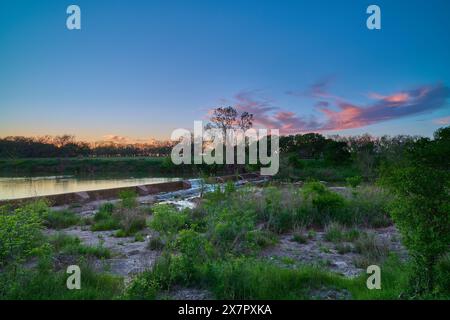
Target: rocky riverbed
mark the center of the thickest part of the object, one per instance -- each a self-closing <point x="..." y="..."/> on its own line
<point x="131" y="255"/>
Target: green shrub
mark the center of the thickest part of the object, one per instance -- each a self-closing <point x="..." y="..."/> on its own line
<point x="369" y="207"/>
<point x="322" y="206"/>
<point x="61" y="219"/>
<point x="168" y="271"/>
<point x="20" y="231"/>
<point x="138" y="237"/>
<point x="228" y="229"/>
<point x="128" y="199"/>
<point x="421" y="207"/>
<point x="300" y="238"/>
<point x="277" y="212"/>
<point x="257" y="239"/>
<point x="167" y="220"/>
<point x="354" y="182"/>
<point x="247" y="278"/>
<point x="130" y="220"/>
<point x="156" y="244"/>
<point x="334" y="232"/>
<point x="104" y="219"/>
<point x="70" y="245"/>
<point x="105" y="224"/>
<point x="46" y="284"/>
<point x="343" y="248"/>
<point x="195" y="249"/>
<point x="229" y="187"/>
<point x="443" y="276"/>
<point x="371" y="250"/>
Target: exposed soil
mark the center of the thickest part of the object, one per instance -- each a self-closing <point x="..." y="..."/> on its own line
<point x="319" y="252"/>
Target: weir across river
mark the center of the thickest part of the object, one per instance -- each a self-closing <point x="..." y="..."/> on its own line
<point x="164" y="190"/>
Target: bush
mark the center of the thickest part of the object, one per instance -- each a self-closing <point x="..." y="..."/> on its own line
<point x="334" y="232"/>
<point x="20" y="232"/>
<point x="130" y="220"/>
<point x="278" y="210"/>
<point x="372" y="250"/>
<point x="46" y="284"/>
<point x="61" y="219"/>
<point x="228" y="229"/>
<point x="247" y="278"/>
<point x="128" y="199"/>
<point x="104" y="219"/>
<point x="369" y="207"/>
<point x="70" y="245"/>
<point x="300" y="238"/>
<point x="195" y="250"/>
<point x="322" y="206"/>
<point x="443" y="276"/>
<point x="354" y="182"/>
<point x="420" y="209"/>
<point x="156" y="244"/>
<point x="167" y="220"/>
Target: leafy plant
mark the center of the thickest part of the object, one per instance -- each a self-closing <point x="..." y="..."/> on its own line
<point x="61" y="219"/>
<point x="421" y="207"/>
<point x="128" y="199"/>
<point x="20" y="231"/>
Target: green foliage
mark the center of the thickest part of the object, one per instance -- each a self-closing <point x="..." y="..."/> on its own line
<point x="354" y="182"/>
<point x="278" y="214"/>
<point x="336" y="152"/>
<point x="128" y="220"/>
<point x="421" y="207"/>
<point x="247" y="278"/>
<point x="335" y="232"/>
<point x="296" y="162"/>
<point x="167" y="220"/>
<point x="104" y="219"/>
<point x="46" y="284"/>
<point x="372" y="250"/>
<point x="300" y="238"/>
<point x="155" y="244"/>
<point x="322" y="206"/>
<point x="369" y="207"/>
<point x="228" y="228"/>
<point x="128" y="199"/>
<point x="20" y="232"/>
<point x="229" y="187"/>
<point x="443" y="276"/>
<point x="61" y="219"/>
<point x="70" y="245"/>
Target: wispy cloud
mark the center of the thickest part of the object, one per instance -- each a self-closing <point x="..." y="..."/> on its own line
<point x="442" y="121"/>
<point x="339" y="114"/>
<point x="420" y="100"/>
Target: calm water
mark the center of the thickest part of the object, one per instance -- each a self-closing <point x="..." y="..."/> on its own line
<point x="14" y="188"/>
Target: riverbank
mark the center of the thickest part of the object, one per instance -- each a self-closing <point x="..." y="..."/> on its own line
<point x="114" y="166"/>
<point x="240" y="241"/>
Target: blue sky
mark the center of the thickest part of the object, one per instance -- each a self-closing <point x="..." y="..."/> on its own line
<point x="139" y="69"/>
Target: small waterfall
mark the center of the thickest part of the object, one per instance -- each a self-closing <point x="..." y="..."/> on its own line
<point x="184" y="198"/>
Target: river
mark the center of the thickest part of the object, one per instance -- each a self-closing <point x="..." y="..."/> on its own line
<point x="16" y="188"/>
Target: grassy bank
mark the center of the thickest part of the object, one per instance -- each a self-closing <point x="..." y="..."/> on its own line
<point x="216" y="247"/>
<point x="81" y="166"/>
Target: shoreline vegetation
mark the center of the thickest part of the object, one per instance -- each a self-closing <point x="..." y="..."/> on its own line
<point x="292" y="238"/>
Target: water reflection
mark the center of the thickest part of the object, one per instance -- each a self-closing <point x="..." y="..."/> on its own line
<point x="15" y="188"/>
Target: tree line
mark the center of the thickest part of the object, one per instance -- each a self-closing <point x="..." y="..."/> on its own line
<point x="66" y="146"/>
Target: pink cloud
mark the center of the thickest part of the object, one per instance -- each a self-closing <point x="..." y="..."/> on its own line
<point x="442" y="121"/>
<point x="344" y="115"/>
